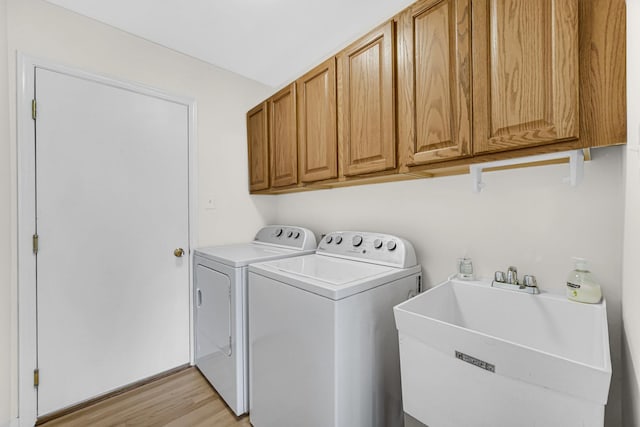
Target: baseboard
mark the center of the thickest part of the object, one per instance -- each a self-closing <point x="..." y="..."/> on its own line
<point x="98" y="399"/>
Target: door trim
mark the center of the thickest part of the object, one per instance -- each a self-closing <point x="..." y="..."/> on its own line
<point x="26" y="197"/>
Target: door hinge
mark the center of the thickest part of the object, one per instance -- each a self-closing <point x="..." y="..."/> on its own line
<point x="34" y="109"/>
<point x="36" y="377"/>
<point x="36" y="239"/>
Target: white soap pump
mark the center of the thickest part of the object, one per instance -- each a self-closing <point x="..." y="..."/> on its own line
<point x="581" y="285"/>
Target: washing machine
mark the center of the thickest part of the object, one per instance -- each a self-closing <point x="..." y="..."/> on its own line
<point x="323" y="347"/>
<point x="220" y="301"/>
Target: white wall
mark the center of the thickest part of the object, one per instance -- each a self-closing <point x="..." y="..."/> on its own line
<point x="630" y="278"/>
<point x="40" y="29"/>
<point x="5" y="226"/>
<point x="524" y="217"/>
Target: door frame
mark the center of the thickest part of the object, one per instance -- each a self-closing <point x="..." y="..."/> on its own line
<point x="26" y="203"/>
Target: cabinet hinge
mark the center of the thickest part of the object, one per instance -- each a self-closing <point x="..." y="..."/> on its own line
<point x="34" y="109"/>
<point x="36" y="239"/>
<point x="36" y="377"/>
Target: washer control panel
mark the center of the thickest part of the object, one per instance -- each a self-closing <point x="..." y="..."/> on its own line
<point x="376" y="248"/>
<point x="286" y="235"/>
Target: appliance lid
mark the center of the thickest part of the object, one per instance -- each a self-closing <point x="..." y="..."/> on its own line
<point x="242" y="254"/>
<point x="330" y="277"/>
<point x="333" y="271"/>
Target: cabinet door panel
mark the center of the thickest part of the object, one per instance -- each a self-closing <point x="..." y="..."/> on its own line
<point x="366" y="96"/>
<point x="525" y="77"/>
<point x="434" y="81"/>
<point x="283" y="137"/>
<point x="317" y="123"/>
<point x="258" y="147"/>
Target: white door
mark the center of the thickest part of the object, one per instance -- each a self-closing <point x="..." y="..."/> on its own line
<point x="112" y="205"/>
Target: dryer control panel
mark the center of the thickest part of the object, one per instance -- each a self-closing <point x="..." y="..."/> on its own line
<point x="285" y="235"/>
<point x="377" y="248"/>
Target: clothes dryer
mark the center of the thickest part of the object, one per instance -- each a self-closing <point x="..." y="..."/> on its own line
<point x="220" y="301"/>
<point x="323" y="346"/>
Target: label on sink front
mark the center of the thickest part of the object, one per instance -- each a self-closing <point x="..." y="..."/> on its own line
<point x="475" y="362"/>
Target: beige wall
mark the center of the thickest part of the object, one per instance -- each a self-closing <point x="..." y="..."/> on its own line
<point x="5" y="226"/>
<point x="630" y="276"/>
<point x="40" y="29"/>
<point x="524" y="217"/>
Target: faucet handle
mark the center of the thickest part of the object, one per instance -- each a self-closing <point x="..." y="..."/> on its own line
<point x="512" y="275"/>
<point x="499" y="277"/>
<point x="529" y="280"/>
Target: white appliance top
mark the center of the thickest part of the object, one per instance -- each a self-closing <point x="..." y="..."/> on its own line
<point x="340" y="269"/>
<point x="271" y="242"/>
<point x="332" y="271"/>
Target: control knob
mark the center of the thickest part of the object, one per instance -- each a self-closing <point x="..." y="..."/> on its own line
<point x="279" y="232"/>
<point x="338" y="240"/>
<point x="391" y="245"/>
<point x="329" y="239"/>
<point x="296" y="234"/>
<point x="289" y="233"/>
<point x="377" y="243"/>
<point x="357" y="240"/>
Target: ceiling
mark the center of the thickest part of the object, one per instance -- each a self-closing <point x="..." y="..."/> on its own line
<point x="271" y="41"/>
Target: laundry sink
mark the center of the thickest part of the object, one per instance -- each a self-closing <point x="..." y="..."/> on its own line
<point x="475" y="355"/>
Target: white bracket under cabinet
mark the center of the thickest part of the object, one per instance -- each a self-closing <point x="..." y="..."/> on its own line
<point x="576" y="166"/>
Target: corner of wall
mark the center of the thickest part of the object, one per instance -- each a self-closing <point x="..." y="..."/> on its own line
<point x="631" y="250"/>
<point x="630" y="392"/>
<point x="6" y="357"/>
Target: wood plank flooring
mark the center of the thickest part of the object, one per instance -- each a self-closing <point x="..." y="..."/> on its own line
<point x="178" y="400"/>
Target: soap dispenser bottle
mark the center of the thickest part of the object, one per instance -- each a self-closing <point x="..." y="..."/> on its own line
<point x="581" y="285"/>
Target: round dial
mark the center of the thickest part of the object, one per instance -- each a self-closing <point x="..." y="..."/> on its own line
<point x="377" y="243"/>
<point x="296" y="234"/>
<point x="338" y="240"/>
<point x="357" y="240"/>
<point x="391" y="245"/>
<point x="279" y="232"/>
<point x="329" y="239"/>
<point x="289" y="233"/>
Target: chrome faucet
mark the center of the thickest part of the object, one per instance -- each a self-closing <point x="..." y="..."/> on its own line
<point x="510" y="281"/>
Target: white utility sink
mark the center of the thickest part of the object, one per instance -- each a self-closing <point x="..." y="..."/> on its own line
<point x="473" y="355"/>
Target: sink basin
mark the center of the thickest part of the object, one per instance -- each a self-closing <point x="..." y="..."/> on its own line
<point x="473" y="355"/>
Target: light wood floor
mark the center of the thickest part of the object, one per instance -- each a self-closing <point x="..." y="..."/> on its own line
<point x="183" y="399"/>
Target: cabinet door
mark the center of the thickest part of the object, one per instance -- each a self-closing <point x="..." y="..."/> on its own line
<point x="283" y="137"/>
<point x="317" y="123"/>
<point x="258" y="147"/>
<point x="366" y="104"/>
<point x="525" y="73"/>
<point x="434" y="81"/>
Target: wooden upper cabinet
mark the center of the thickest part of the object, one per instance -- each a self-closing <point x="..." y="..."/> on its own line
<point x="525" y="73"/>
<point x="434" y="81"/>
<point x="366" y="104"/>
<point x="317" y="123"/>
<point x="283" y="137"/>
<point x="258" y="147"/>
